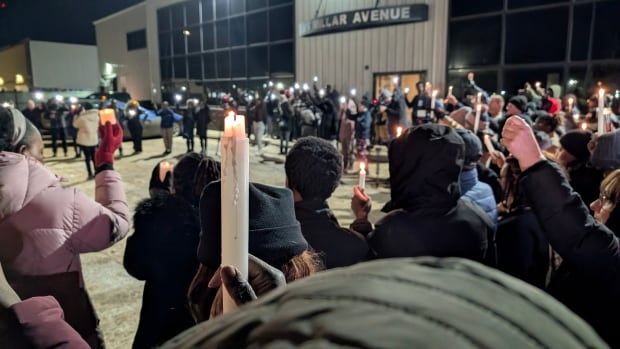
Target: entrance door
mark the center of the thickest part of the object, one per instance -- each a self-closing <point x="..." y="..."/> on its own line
<point x="406" y="81"/>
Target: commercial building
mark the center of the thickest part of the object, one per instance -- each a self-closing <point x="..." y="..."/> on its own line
<point x="206" y="46"/>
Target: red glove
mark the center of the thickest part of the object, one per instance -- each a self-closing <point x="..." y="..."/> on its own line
<point x="110" y="139"/>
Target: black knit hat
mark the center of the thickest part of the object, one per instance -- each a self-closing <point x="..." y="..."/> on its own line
<point x="520" y="102"/>
<point x="473" y="146"/>
<point x="576" y="143"/>
<point x="275" y="234"/>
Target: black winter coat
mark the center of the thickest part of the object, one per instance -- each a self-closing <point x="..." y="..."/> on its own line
<point x="339" y="247"/>
<point x="329" y="122"/>
<point x="586" y="181"/>
<point x="429" y="218"/>
<point x="189" y="123"/>
<point x="588" y="280"/>
<point x="162" y="252"/>
<point x="202" y="121"/>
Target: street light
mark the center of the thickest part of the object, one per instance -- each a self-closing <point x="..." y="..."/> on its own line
<point x="19" y="79"/>
<point x="38" y="96"/>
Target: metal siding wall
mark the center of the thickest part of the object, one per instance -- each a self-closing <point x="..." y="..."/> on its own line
<point x="339" y="59"/>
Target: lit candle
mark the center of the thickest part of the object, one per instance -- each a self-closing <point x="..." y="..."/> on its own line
<point x="489" y="144"/>
<point x="479" y="98"/>
<point x="449" y="90"/>
<point x="235" y="150"/>
<point x="584" y="126"/>
<point x="570" y="104"/>
<point x="477" y="120"/>
<point x="399" y="131"/>
<point x="600" y="114"/>
<point x="362" y="183"/>
<point x="433" y="98"/>
<point x="407" y="90"/>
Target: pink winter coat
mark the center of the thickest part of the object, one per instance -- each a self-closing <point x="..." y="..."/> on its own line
<point x="44" y="227"/>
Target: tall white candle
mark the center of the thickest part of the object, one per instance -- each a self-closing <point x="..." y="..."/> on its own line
<point x="600" y="112"/>
<point x="489" y="144"/>
<point x="362" y="182"/>
<point x="235" y="150"/>
<point x="450" y="91"/>
<point x="477" y="120"/>
<point x="570" y="105"/>
<point x="399" y="131"/>
<point x="479" y="98"/>
<point x="433" y="98"/>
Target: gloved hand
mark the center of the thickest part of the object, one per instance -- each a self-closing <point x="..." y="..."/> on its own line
<point x="110" y="139"/>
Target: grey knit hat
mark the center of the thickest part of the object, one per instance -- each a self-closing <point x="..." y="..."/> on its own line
<point x="606" y="155"/>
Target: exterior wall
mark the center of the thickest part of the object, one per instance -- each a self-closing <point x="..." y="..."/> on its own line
<point x="14" y="60"/>
<point x="133" y="71"/>
<point x="340" y="58"/>
<point x="64" y="66"/>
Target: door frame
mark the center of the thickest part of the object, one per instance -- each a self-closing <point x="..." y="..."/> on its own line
<point x="422" y="73"/>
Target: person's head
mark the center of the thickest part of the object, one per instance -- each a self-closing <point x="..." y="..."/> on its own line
<point x="605" y="205"/>
<point x="565" y="103"/>
<point x="545" y="122"/>
<point x="18" y="135"/>
<point x="192" y="174"/>
<point x="313" y="169"/>
<point x="274" y="236"/>
<point x="606" y="153"/>
<point x="425" y="163"/>
<point x="470" y="76"/>
<point x="496" y="104"/>
<point x="574" y="148"/>
<point x="473" y="148"/>
<point x="517" y="105"/>
<point x="30" y="104"/>
<point x="87" y="106"/>
<point x="420" y="87"/>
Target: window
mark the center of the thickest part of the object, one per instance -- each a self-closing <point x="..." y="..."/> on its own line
<point x="180" y="69"/>
<point x="163" y="19"/>
<point x="237" y="63"/>
<point x="192" y="12"/>
<point x="208" y="60"/>
<point x="281" y="23"/>
<point x="475" y="42"/>
<point x="237" y="31"/>
<point x="178" y="42"/>
<point x="221" y="33"/>
<point x="194" y="63"/>
<point x="257" y="61"/>
<point x="279" y="2"/>
<point x="526" y="3"/>
<point x="136" y="40"/>
<point x="165" y="66"/>
<point x="468" y="7"/>
<point x="164" y="45"/>
<point x="531" y="43"/>
<point x="207" y="10"/>
<point x="582" y="18"/>
<point x="221" y="8"/>
<point x="516" y="79"/>
<point x="237" y="7"/>
<point x="606" y="42"/>
<point x="178" y="20"/>
<point x="257" y="27"/>
<point x="609" y="74"/>
<point x="223" y="64"/>
<point x="208" y="36"/>
<point x="256" y="4"/>
<point x="281" y="59"/>
<point x="193" y="40"/>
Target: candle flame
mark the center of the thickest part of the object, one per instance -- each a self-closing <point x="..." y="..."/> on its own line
<point x="231" y="114"/>
<point x="362" y="166"/>
<point x="399" y="131"/>
<point x="584" y="126"/>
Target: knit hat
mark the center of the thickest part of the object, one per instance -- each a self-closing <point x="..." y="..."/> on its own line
<point x="576" y="143"/>
<point x="184" y="175"/>
<point x="274" y="232"/>
<point x="473" y="146"/>
<point x="520" y="102"/>
<point x="606" y="155"/>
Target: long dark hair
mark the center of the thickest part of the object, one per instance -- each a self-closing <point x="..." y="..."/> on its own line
<point x="511" y="189"/>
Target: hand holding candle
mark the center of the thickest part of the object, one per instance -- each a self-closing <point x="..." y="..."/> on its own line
<point x="362" y="182"/>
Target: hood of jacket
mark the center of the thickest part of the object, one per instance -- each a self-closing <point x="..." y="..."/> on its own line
<point x="21" y="179"/>
<point x="425" y="164"/>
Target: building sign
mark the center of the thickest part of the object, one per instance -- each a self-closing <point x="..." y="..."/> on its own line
<point x="364" y="18"/>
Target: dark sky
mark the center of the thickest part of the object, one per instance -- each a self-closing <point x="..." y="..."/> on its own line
<point x="55" y="20"/>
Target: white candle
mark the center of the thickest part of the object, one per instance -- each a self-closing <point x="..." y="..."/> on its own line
<point x="600" y="113"/>
<point x="570" y="105"/>
<point x="489" y="144"/>
<point x="433" y="98"/>
<point x="479" y="98"/>
<point x="477" y="120"/>
<point x="449" y="90"/>
<point x="399" y="131"/>
<point x="362" y="183"/>
<point x="584" y="126"/>
<point x="235" y="150"/>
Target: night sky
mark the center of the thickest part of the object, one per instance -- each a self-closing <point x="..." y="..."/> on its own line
<point x="68" y="21"/>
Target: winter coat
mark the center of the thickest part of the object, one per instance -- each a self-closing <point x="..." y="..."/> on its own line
<point x="284" y="123"/>
<point x="488" y="176"/>
<point x="363" y="125"/>
<point x="339" y="247"/>
<point x="189" y="122"/>
<point x="87" y="125"/>
<point x="480" y="193"/>
<point x="428" y="217"/>
<point x="329" y="122"/>
<point x="585" y="180"/>
<point x="588" y="280"/>
<point x="202" y="121"/>
<point x="43" y="254"/>
<point x="522" y="248"/>
<point x="421" y="105"/>
<point x="346" y="131"/>
<point x="399" y="303"/>
<point x="258" y="112"/>
<point x="162" y="252"/>
<point x="167" y="118"/>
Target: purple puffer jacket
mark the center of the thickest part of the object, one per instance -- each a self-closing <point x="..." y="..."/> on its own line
<point x="44" y="227"/>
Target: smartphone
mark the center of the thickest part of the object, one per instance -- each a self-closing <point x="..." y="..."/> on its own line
<point x="107" y="115"/>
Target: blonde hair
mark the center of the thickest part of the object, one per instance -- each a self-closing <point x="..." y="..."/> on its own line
<point x="610" y="186"/>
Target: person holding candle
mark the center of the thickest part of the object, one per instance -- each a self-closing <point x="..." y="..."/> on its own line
<point x="285" y="121"/>
<point x="428" y="217"/>
<point x="313" y="171"/>
<point x="189" y="124"/>
<point x="161" y="250"/>
<point x="346" y="132"/>
<point x="496" y="112"/>
<point x="257" y="114"/>
<point x="135" y="118"/>
<point x="421" y="105"/>
<point x="363" y="125"/>
<point x="87" y="125"/>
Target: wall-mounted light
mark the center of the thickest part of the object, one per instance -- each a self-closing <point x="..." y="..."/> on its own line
<point x="178" y="97"/>
<point x="19" y="79"/>
<point x="39" y="96"/>
<point x="186" y="32"/>
<point x="183" y="88"/>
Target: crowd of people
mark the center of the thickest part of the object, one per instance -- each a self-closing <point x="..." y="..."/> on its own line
<point x="529" y="187"/>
